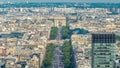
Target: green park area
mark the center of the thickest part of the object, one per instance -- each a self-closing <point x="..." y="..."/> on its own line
<point x="53" y="33"/>
<point x="66" y="49"/>
<point x="47" y="62"/>
<point x="65" y="32"/>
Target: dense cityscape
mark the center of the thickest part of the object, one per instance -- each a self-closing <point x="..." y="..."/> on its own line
<point x="60" y="35"/>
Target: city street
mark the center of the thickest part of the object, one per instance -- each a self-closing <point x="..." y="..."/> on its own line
<point x="57" y="59"/>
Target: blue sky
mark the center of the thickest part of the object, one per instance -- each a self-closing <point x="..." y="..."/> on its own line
<point x="110" y="1"/>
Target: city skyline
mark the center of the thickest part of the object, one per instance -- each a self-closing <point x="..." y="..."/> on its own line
<point x="82" y="1"/>
<point x="62" y="34"/>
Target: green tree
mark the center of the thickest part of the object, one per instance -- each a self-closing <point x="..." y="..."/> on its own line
<point x="53" y="32"/>
<point x="65" y="32"/>
<point x="47" y="62"/>
<point x="66" y="49"/>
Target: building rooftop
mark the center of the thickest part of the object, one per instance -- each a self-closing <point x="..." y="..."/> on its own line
<point x="103" y="38"/>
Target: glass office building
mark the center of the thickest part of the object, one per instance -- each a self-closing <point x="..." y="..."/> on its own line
<point x="103" y="50"/>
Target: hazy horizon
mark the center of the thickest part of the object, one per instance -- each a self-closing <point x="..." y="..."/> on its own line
<point x="82" y="1"/>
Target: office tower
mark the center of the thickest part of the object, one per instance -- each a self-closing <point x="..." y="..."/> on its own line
<point x="114" y="10"/>
<point x="103" y="50"/>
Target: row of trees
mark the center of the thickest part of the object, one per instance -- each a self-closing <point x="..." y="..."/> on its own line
<point x="65" y="32"/>
<point x="47" y="63"/>
<point x="66" y="49"/>
<point x="53" y="33"/>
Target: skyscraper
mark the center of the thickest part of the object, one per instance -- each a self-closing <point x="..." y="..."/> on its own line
<point x="103" y="50"/>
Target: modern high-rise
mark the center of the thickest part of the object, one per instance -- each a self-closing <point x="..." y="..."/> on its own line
<point x="103" y="50"/>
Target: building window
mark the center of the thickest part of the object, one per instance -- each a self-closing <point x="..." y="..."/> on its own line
<point x="107" y="66"/>
<point x="98" y="65"/>
<point x="118" y="66"/>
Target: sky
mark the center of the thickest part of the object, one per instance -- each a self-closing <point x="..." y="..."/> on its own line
<point x="83" y="1"/>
